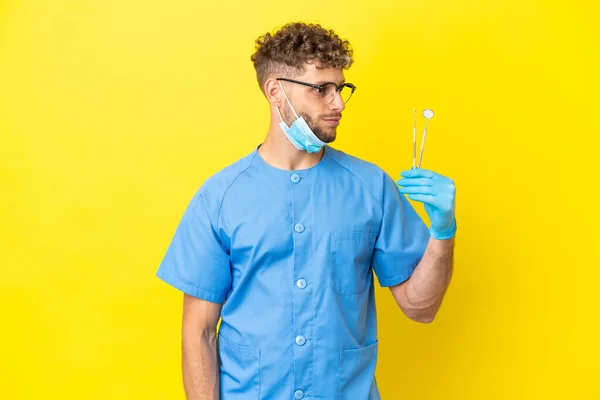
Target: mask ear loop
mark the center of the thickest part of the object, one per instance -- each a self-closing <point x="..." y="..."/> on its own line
<point x="280" y="117"/>
<point x="288" y="101"/>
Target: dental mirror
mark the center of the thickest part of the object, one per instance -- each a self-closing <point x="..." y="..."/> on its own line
<point x="428" y="114"/>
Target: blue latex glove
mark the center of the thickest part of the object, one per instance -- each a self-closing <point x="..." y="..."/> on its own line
<point x="438" y="195"/>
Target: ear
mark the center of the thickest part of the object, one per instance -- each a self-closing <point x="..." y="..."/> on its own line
<point x="273" y="92"/>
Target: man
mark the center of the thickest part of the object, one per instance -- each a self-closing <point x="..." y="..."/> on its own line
<point x="283" y="244"/>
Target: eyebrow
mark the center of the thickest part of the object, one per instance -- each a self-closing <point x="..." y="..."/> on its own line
<point x="323" y="81"/>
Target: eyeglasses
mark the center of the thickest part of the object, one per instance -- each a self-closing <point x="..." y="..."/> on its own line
<point x="327" y="91"/>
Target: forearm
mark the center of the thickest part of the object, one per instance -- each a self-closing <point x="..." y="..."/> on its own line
<point x="200" y="366"/>
<point x="421" y="296"/>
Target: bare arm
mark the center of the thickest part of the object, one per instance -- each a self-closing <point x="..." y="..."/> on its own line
<point x="420" y="297"/>
<point x="199" y="349"/>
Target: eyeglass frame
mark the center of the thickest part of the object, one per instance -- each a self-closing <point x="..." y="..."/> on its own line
<point x="321" y="87"/>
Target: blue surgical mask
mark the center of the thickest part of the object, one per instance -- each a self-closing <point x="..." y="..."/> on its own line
<point x="299" y="133"/>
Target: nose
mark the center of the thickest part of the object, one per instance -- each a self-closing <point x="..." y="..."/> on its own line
<point x="337" y="103"/>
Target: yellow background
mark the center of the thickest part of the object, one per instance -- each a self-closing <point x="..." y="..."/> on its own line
<point x="112" y="113"/>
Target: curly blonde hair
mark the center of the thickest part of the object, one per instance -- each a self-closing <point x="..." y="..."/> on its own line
<point x="285" y="52"/>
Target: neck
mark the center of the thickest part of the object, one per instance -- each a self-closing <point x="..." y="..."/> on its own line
<point x="277" y="151"/>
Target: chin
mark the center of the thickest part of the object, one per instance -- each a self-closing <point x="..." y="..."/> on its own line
<point x="327" y="135"/>
<point x="327" y="138"/>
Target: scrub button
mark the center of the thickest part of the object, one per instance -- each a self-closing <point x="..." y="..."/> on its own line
<point x="295" y="178"/>
<point x="298" y="394"/>
<point x="300" y="340"/>
<point x="299" y="228"/>
<point x="301" y="283"/>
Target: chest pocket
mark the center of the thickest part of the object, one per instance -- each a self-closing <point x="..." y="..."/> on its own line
<point x="350" y="261"/>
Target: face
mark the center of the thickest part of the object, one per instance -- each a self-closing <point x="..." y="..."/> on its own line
<point x="323" y="118"/>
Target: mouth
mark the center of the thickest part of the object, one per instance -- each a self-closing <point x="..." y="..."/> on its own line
<point x="332" y="121"/>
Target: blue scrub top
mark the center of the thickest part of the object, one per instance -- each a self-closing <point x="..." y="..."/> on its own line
<point x="291" y="254"/>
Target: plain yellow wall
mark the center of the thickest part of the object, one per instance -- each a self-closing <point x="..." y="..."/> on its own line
<point x="112" y="113"/>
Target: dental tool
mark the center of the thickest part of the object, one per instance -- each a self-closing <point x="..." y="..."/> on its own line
<point x="415" y="140"/>
<point x="428" y="114"/>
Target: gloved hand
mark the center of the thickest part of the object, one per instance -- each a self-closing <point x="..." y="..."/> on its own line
<point x="438" y="195"/>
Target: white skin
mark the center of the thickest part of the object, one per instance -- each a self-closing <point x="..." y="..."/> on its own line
<point x="323" y="118"/>
<point x="419" y="297"/>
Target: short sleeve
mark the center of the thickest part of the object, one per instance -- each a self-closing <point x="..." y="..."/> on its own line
<point x="402" y="238"/>
<point x="195" y="262"/>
